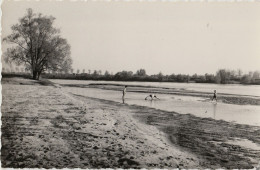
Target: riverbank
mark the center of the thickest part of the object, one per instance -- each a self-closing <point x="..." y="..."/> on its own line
<point x="217" y="143"/>
<point x="42" y="127"/>
<point x="45" y="127"/>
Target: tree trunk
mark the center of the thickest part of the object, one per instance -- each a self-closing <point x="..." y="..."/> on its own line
<point x="38" y="75"/>
<point x="35" y="75"/>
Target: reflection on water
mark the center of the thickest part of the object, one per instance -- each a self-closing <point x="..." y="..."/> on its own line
<point x="245" y="114"/>
<point x="214" y="110"/>
<point x="152" y="103"/>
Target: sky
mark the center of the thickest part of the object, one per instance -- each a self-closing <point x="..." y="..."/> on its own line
<point x="167" y="37"/>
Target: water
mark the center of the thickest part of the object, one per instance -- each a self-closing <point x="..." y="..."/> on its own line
<point x="251" y="90"/>
<point x="242" y="114"/>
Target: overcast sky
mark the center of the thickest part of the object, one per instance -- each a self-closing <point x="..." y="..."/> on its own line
<point x="169" y="37"/>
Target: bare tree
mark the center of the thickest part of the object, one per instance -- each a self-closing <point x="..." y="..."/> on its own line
<point x="38" y="45"/>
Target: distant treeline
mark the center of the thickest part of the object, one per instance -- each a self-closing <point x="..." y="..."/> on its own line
<point x="223" y="76"/>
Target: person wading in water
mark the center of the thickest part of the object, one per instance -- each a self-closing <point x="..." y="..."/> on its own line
<point x="124" y="93"/>
<point x="214" y="95"/>
<point x="152" y="96"/>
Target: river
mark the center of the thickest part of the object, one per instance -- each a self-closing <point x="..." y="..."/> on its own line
<point x="238" y="89"/>
<point x="242" y="114"/>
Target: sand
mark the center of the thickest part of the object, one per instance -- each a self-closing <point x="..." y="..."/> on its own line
<point x="45" y="127"/>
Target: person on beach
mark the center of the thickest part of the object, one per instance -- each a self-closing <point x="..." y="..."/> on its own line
<point x="124" y="92"/>
<point x="214" y="95"/>
<point x="152" y="96"/>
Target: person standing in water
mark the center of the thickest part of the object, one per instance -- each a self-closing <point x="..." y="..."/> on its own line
<point x="152" y="96"/>
<point x="124" y="92"/>
<point x="214" y="95"/>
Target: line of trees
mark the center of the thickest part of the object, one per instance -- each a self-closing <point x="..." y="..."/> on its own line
<point x="36" y="44"/>
<point x="222" y="76"/>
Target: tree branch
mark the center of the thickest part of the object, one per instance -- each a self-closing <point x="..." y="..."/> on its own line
<point x="18" y="44"/>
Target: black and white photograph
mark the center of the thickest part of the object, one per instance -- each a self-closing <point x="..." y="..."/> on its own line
<point x="133" y="84"/>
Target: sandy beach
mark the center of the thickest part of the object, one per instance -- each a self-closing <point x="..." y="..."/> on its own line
<point x="46" y="127"/>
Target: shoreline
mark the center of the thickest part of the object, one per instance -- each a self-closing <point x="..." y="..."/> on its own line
<point x="44" y="127"/>
<point x="207" y="138"/>
<point x="222" y="97"/>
